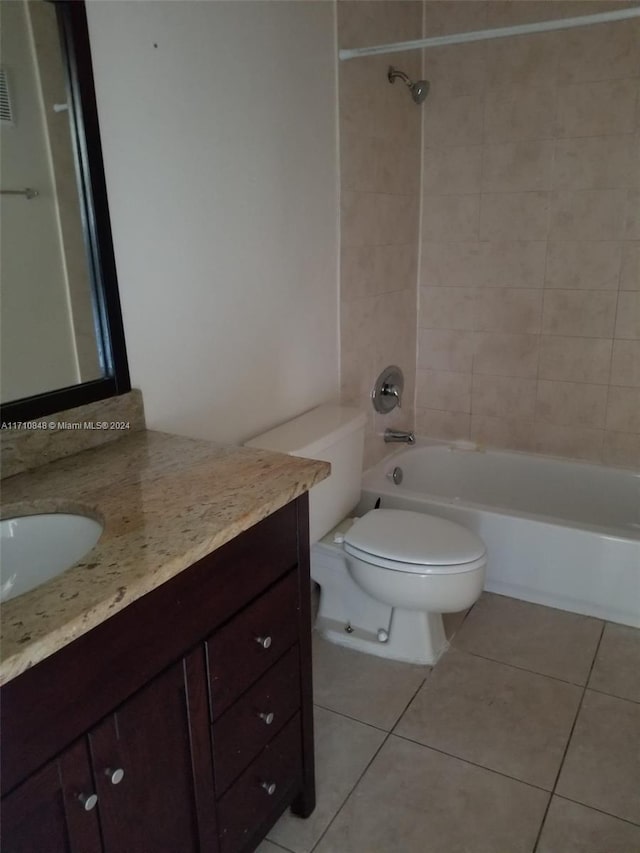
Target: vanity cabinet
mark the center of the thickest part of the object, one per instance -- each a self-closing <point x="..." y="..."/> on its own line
<point x="183" y="723"/>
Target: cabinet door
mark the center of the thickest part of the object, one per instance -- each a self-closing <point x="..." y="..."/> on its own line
<point x="54" y="810"/>
<point x="151" y="770"/>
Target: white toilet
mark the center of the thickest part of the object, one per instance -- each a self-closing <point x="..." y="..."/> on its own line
<point x="387" y="577"/>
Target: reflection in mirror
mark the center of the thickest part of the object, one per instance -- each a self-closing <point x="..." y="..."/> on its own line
<point x="56" y="318"/>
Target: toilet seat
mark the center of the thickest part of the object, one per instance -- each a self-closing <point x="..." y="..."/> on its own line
<point x="406" y="541"/>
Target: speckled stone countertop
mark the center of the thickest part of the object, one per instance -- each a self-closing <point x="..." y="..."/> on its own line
<point x="165" y="502"/>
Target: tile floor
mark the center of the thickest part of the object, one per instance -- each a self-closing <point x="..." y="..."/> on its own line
<point x="525" y="737"/>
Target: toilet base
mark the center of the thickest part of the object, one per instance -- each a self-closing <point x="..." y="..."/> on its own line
<point x="412" y="637"/>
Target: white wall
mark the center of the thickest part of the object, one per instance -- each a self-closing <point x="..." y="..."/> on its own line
<point x="220" y="157"/>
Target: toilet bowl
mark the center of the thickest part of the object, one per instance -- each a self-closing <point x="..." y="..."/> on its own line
<point x="386" y="579"/>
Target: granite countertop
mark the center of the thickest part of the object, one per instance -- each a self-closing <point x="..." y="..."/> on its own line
<point x="165" y="502"/>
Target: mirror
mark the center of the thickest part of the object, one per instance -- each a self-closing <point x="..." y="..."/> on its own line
<point x="61" y="336"/>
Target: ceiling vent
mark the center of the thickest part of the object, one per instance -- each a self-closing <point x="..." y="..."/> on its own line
<point x="6" y="113"/>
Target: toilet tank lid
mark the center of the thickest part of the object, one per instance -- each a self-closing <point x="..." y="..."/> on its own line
<point x="413" y="537"/>
<point x="311" y="433"/>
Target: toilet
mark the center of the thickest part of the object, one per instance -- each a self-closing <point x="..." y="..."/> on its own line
<point x="386" y="577"/>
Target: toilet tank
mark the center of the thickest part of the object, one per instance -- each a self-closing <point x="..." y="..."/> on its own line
<point x="334" y="434"/>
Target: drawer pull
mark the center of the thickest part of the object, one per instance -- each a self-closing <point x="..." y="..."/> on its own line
<point x="267" y="718"/>
<point x="115" y="776"/>
<point x="269" y="787"/>
<point x="89" y="801"/>
<point x="265" y="642"/>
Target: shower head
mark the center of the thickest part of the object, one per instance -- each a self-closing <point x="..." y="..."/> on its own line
<point x="419" y="90"/>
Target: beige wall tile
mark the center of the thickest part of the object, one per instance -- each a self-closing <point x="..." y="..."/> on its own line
<point x="578" y="265"/>
<point x="502" y="432"/>
<point x="357" y="277"/>
<point x="442" y="349"/>
<point x="574" y="359"/>
<point x="571" y="403"/>
<point x="632" y="215"/>
<point x="396" y="167"/>
<point x="506" y="354"/>
<point x="452" y="120"/>
<point x="452" y="264"/>
<point x="365" y="22"/>
<point x="509" y="310"/>
<point x="358" y="162"/>
<point x="517" y="166"/>
<point x="395" y="268"/>
<point x="358" y="219"/>
<point x="514" y="264"/>
<point x="603" y="52"/>
<point x="455" y="169"/>
<point x="356" y="321"/>
<point x="523" y="61"/>
<point x="630" y="272"/>
<point x="450" y="217"/>
<point x="445" y="390"/>
<point x="444" y="425"/>
<point x="623" y="409"/>
<point x="621" y="448"/>
<point x="519" y="112"/>
<point x="587" y="314"/>
<point x="474" y="264"/>
<point x="514" y="216"/>
<point x="587" y="215"/>
<point x="595" y="109"/>
<point x="594" y="162"/>
<point x="461" y="16"/>
<point x="625" y="363"/>
<point x="571" y="441"/>
<point x="456" y="70"/>
<point x="396" y="219"/>
<point x="628" y="315"/>
<point x="506" y="13"/>
<point x="503" y="397"/>
<point x="446" y="308"/>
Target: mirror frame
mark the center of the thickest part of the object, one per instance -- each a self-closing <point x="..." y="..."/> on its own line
<point x="85" y="132"/>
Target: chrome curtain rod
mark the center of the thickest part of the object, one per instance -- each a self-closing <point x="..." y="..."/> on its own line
<point x="502" y="32"/>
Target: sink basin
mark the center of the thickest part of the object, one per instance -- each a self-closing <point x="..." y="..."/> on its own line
<point x="36" y="548"/>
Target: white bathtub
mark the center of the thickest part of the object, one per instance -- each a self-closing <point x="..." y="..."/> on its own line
<point x="565" y="534"/>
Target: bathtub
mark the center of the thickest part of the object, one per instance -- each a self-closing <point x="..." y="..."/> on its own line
<point x="561" y="533"/>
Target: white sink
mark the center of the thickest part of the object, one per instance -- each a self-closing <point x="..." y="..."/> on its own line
<point x="36" y="548"/>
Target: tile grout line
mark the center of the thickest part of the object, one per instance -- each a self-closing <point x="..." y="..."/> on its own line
<point x="595" y="809"/>
<point x="472" y="763"/>
<point x="369" y="763"/>
<point x="569" y="739"/>
<point x="531" y="671"/>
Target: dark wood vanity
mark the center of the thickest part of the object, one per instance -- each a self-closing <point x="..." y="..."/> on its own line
<point x="183" y="722"/>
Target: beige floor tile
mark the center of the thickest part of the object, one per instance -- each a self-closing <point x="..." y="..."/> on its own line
<point x="571" y="828"/>
<point x="617" y="667"/>
<point x="343" y="749"/>
<point x="268" y="847"/>
<point x="413" y="799"/>
<point x="602" y="765"/>
<point x="365" y="687"/>
<point x="502" y="718"/>
<point x="541" y="639"/>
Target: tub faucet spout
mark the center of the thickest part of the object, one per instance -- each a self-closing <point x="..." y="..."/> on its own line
<point x="393" y="435"/>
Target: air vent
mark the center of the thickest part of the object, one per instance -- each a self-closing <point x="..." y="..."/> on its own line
<point x="6" y="113"/>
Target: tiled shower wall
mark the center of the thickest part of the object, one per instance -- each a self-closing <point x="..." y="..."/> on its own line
<point x="529" y="302"/>
<point x="529" y="285"/>
<point x="380" y="190"/>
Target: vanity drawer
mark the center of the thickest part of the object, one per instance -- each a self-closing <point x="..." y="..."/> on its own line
<point x="251" y="642"/>
<point x="260" y="794"/>
<point x="247" y="727"/>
